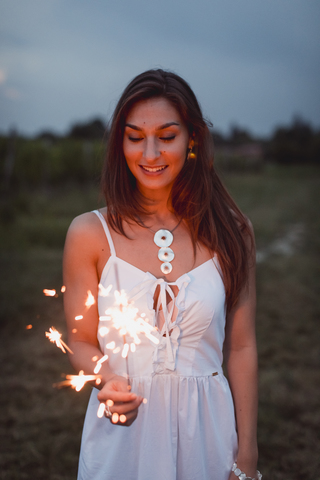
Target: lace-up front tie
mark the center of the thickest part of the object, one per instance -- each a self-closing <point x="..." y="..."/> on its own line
<point x="171" y="311"/>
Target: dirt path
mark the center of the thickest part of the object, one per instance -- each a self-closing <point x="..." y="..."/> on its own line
<point x="285" y="245"/>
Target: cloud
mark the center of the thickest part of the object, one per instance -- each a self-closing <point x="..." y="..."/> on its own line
<point x="12" y="93"/>
<point x="253" y="62"/>
<point x="3" y="76"/>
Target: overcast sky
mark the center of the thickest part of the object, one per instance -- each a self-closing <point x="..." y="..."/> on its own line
<point x="253" y="63"/>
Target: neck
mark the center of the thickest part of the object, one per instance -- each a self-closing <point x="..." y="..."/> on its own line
<point x="158" y="207"/>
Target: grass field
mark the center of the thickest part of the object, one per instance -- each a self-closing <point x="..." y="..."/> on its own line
<point x="41" y="426"/>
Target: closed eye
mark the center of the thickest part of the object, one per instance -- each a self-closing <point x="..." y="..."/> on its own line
<point x="167" y="139"/>
<point x="134" y="139"/>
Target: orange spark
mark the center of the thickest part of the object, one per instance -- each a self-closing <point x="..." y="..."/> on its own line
<point x="125" y="350"/>
<point x="55" y="337"/>
<point x="103" y="331"/>
<point x="101" y="410"/>
<point x="104" y="292"/>
<point x="63" y="289"/>
<point x="99" y="363"/>
<point x="115" y="417"/>
<point x="76" y="381"/>
<point x="28" y="327"/>
<point x="90" y="299"/>
<point x="122" y="418"/>
<point x="49" y="293"/>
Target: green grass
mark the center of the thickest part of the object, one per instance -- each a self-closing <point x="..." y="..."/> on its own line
<point x="40" y="426"/>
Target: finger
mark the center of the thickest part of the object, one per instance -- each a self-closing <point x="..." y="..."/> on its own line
<point x="125" y="408"/>
<point x="124" y="420"/>
<point x="107" y="394"/>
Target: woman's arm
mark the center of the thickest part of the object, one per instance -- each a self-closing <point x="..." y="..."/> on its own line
<point x="240" y="353"/>
<point x="85" y="246"/>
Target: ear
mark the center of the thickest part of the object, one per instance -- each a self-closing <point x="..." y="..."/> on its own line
<point x="191" y="142"/>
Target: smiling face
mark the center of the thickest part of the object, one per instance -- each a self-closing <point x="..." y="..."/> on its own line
<point x="155" y="144"/>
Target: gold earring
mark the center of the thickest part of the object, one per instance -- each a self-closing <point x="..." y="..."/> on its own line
<point x="191" y="154"/>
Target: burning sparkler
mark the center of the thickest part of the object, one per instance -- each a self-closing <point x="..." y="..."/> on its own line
<point x="125" y="318"/>
<point x="78" y="381"/>
<point x="55" y="337"/>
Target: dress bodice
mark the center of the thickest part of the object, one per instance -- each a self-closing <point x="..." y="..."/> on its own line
<point x="191" y="339"/>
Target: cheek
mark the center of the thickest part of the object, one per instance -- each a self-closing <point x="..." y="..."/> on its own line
<point x="130" y="151"/>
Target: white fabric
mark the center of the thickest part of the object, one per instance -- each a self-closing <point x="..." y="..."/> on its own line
<point x="186" y="431"/>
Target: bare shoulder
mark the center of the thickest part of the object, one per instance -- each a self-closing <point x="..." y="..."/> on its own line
<point x="84" y="224"/>
<point x="85" y="234"/>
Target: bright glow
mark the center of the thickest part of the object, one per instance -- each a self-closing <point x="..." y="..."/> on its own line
<point x="101" y="410"/>
<point x="103" y="331"/>
<point x="104" y="292"/>
<point x="28" y="327"/>
<point x="125" y="319"/>
<point x="99" y="363"/>
<point x="133" y="347"/>
<point x="76" y="381"/>
<point x="78" y="317"/>
<point x="122" y="418"/>
<point x="49" y="293"/>
<point x="115" y="417"/>
<point x="110" y="402"/>
<point x="110" y="345"/>
<point x="63" y="289"/>
<point x="90" y="299"/>
<point x="125" y="350"/>
<point x="55" y="337"/>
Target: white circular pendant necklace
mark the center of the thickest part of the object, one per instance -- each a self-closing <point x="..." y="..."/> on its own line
<point x="163" y="238"/>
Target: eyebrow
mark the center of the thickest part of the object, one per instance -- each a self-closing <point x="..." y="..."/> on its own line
<point x="161" y="127"/>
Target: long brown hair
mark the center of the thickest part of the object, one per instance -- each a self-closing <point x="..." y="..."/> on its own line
<point x="197" y="196"/>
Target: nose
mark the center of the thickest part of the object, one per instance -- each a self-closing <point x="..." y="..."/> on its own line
<point x="151" y="150"/>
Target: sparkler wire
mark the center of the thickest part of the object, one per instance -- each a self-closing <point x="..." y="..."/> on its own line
<point x="120" y="306"/>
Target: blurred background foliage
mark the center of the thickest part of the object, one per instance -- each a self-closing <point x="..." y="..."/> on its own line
<point x="46" y="181"/>
<point x="49" y="160"/>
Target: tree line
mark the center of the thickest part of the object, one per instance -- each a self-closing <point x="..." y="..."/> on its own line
<point x="51" y="159"/>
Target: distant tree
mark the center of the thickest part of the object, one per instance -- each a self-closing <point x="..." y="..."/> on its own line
<point x="93" y="130"/>
<point x="218" y="138"/>
<point x="297" y="143"/>
<point x="48" y="136"/>
<point x="239" y="136"/>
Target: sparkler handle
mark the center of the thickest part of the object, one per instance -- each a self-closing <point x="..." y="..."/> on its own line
<point x="127" y="362"/>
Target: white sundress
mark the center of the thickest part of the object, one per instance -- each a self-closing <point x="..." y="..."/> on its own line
<point x="186" y="430"/>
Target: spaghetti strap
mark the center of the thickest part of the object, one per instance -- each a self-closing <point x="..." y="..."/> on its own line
<point x="106" y="230"/>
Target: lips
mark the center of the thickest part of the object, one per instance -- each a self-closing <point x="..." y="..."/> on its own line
<point x="153" y="169"/>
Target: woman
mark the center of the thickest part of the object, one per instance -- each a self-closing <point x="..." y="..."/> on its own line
<point x="174" y="240"/>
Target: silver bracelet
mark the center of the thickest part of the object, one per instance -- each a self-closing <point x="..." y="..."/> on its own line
<point x="241" y="475"/>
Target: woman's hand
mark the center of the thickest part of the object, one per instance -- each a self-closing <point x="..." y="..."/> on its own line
<point x="121" y="400"/>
